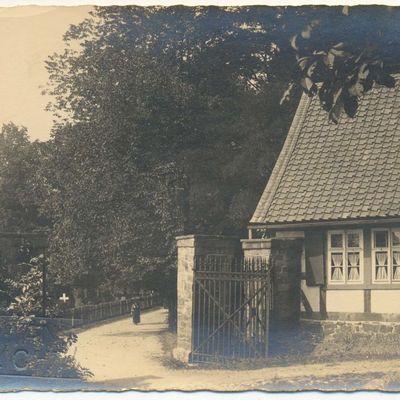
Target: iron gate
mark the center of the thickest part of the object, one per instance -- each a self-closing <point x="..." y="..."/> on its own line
<point x="232" y="303"/>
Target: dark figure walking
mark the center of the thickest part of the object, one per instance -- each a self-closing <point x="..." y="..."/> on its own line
<point x="135" y="310"/>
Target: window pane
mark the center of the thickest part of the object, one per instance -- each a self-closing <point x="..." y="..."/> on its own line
<point x="337" y="240"/>
<point x="396" y="257"/>
<point x="353" y="274"/>
<point x="381" y="274"/>
<point x="337" y="259"/>
<point x="336" y="273"/>
<point x="381" y="266"/>
<point x="381" y="238"/>
<point x="353" y="259"/>
<point x="381" y="258"/>
<point x="337" y="267"/>
<point x="396" y="265"/>
<point x="353" y="239"/>
<point x="396" y="238"/>
<point x="353" y="269"/>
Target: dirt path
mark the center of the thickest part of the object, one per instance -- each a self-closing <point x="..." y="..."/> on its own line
<point x="124" y="356"/>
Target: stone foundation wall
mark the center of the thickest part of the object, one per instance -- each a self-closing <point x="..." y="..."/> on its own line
<point x="353" y="338"/>
<point x="340" y="328"/>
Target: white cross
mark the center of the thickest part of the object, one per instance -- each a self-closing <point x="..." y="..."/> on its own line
<point x="64" y="298"/>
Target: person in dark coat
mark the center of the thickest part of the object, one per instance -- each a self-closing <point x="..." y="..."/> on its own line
<point x="135" y="310"/>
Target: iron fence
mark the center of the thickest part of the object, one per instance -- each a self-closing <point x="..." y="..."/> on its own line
<point x="83" y="315"/>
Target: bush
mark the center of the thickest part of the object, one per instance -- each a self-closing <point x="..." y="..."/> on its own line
<point x="36" y="344"/>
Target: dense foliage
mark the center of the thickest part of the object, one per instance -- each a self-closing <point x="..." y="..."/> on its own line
<point x="169" y="123"/>
<point x="19" y="163"/>
<point x="342" y="55"/>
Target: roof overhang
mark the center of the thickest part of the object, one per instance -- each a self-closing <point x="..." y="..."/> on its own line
<point x="322" y="224"/>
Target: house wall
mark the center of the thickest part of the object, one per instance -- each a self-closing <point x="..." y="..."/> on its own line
<point x="358" y="302"/>
<point x="385" y="301"/>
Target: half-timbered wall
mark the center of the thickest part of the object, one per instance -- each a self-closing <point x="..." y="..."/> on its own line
<point x="366" y="300"/>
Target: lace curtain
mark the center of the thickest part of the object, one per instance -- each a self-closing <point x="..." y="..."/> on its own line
<point x="396" y="266"/>
<point x="354" y="270"/>
<point x="381" y="266"/>
<point x="337" y="270"/>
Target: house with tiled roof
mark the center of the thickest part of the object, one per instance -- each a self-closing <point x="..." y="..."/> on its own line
<point x="323" y="245"/>
<point x="337" y="187"/>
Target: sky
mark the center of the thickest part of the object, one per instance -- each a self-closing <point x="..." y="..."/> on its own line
<point x="30" y="33"/>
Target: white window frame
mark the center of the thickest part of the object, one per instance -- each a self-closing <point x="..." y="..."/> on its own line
<point x="390" y="249"/>
<point x="345" y="250"/>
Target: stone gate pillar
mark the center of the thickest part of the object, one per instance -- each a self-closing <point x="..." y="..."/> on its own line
<point x="285" y="255"/>
<point x="189" y="247"/>
<point x="286" y="261"/>
<point x="256" y="248"/>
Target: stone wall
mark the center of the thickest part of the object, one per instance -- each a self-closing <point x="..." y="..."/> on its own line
<point x="338" y="328"/>
<point x="189" y="247"/>
<point x="354" y="338"/>
<point x="338" y="340"/>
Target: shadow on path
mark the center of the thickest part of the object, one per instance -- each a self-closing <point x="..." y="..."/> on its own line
<point x="142" y="332"/>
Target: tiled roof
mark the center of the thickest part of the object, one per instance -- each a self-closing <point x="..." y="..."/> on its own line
<point x="328" y="171"/>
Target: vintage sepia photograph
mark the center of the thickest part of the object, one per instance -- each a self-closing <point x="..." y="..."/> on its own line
<point x="200" y="198"/>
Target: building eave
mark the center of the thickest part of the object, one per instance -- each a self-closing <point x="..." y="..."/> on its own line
<point x="325" y="223"/>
